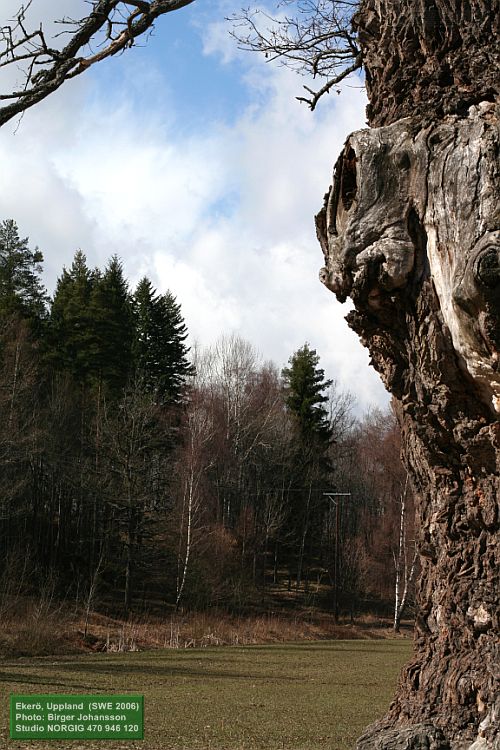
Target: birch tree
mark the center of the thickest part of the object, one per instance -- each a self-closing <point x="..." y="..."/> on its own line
<point x="405" y="561"/>
<point x="194" y="462"/>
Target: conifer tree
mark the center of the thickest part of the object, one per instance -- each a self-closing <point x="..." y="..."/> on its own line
<point x="305" y="398"/>
<point x="309" y="463"/>
<point x="177" y="368"/>
<point x="70" y="328"/>
<point x="145" y="355"/>
<point x="111" y="327"/>
<point x="21" y="290"/>
<point x="160" y="351"/>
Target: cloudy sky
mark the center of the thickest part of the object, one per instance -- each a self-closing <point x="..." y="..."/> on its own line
<point x="196" y="165"/>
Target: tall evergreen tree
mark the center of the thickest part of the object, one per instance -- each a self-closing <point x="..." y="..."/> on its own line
<point x="160" y="351"/>
<point x="21" y="290"/>
<point x="71" y="337"/>
<point x="146" y="356"/>
<point x="305" y="397"/>
<point x="112" y="327"/>
<point x="177" y="368"/>
<point x="309" y="463"/>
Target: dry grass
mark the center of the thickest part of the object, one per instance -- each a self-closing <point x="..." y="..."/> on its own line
<point x="35" y="627"/>
<point x="199" y="630"/>
<point x="42" y="626"/>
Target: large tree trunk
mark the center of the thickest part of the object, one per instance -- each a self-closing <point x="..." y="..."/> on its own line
<point x="411" y="232"/>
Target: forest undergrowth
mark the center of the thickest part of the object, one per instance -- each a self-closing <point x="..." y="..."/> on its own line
<point x="36" y="628"/>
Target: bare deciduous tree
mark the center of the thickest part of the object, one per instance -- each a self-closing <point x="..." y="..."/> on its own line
<point x="111" y="26"/>
<point x="316" y="40"/>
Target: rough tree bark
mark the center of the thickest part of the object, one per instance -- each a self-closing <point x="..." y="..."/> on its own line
<point x="410" y="231"/>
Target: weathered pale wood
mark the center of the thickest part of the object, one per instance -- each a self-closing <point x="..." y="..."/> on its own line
<point x="409" y="205"/>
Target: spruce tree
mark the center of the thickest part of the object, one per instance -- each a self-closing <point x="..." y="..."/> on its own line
<point x="176" y="366"/>
<point x="146" y="356"/>
<point x="71" y="340"/>
<point x="161" y="354"/>
<point x="111" y="327"/>
<point x="21" y="290"/>
<point x="310" y="467"/>
<point x="92" y="326"/>
<point x="305" y="398"/>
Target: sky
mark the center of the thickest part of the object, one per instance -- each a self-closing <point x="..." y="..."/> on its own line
<point x="195" y="164"/>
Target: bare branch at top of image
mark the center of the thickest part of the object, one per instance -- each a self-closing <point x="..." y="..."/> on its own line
<point x="43" y="63"/>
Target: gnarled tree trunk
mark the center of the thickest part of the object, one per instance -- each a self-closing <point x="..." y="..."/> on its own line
<point x="410" y="231"/>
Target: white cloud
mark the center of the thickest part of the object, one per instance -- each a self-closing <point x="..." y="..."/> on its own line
<point x="223" y="217"/>
<point x="217" y="41"/>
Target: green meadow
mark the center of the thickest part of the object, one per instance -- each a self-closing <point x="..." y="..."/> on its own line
<point x="306" y="696"/>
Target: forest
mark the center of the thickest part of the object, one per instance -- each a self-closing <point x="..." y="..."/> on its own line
<point x="138" y="475"/>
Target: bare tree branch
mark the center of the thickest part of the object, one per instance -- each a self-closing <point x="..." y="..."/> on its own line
<point x="316" y="95"/>
<point x="318" y="40"/>
<point x="111" y="26"/>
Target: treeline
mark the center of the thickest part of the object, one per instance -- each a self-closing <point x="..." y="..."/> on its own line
<point x="137" y="474"/>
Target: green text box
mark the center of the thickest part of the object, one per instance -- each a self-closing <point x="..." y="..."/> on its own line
<point x="77" y="717"/>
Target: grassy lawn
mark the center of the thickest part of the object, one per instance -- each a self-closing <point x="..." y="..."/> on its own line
<point x="307" y="696"/>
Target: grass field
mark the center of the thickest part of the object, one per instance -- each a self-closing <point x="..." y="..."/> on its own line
<point x="307" y="696"/>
